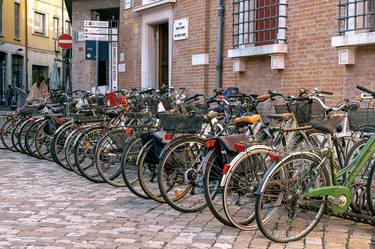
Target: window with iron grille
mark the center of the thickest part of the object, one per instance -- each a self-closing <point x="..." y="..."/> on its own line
<point x="356" y="15"/>
<point x="1" y="16"/>
<point x="258" y="22"/>
<point x="17" y="21"/>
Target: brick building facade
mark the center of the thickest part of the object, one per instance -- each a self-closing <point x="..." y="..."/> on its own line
<point x="268" y="44"/>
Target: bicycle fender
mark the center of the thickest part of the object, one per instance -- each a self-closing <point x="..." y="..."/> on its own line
<point x="239" y="156"/>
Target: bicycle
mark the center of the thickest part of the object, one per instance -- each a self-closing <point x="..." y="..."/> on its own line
<point x="295" y="192"/>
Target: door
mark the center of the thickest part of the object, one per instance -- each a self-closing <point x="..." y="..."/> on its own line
<point x="163" y="54"/>
<point x="17" y="74"/>
<point x="3" y="76"/>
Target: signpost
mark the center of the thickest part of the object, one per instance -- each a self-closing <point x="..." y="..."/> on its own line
<point x="102" y="31"/>
<point x="65" y="41"/>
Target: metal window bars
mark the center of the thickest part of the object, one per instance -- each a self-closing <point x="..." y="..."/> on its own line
<point x="356" y="15"/>
<point x="258" y="22"/>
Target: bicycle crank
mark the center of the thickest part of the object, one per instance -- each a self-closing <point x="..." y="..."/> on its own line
<point x="338" y="197"/>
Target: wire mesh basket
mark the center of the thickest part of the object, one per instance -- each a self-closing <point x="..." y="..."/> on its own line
<point x="137" y="115"/>
<point x="362" y="119"/>
<point x="305" y="111"/>
<point x="181" y="122"/>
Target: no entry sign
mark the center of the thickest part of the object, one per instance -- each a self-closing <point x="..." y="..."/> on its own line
<point x="65" y="41"/>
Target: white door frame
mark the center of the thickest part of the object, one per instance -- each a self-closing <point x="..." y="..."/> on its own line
<point x="149" y="67"/>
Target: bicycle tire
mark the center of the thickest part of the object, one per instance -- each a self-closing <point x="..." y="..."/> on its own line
<point x="243" y="179"/>
<point x="21" y="138"/>
<point x="143" y="169"/>
<point x="6" y="132"/>
<point x="57" y="144"/>
<point x="184" y="190"/>
<point x="129" y="170"/>
<point x="30" y="139"/>
<point x="86" y="143"/>
<point x="280" y="170"/>
<point x="15" y="134"/>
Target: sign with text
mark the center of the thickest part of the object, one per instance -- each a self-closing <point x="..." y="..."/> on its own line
<point x="96" y="37"/>
<point x="181" y="29"/>
<point x="128" y="4"/>
<point x="114" y="65"/>
<point x="96" y="24"/>
<point x="100" y="31"/>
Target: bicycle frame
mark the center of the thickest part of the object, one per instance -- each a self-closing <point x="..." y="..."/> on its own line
<point x="356" y="166"/>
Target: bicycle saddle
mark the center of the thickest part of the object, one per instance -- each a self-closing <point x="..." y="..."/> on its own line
<point x="328" y="125"/>
<point x="246" y="120"/>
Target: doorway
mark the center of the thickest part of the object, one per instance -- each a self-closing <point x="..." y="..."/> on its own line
<point x="3" y="76"/>
<point x="162" y="39"/>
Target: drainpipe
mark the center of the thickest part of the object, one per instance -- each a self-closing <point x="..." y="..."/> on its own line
<point x="219" y="44"/>
<point x="26" y="46"/>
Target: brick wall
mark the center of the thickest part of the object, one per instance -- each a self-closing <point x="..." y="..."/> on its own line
<point x="311" y="60"/>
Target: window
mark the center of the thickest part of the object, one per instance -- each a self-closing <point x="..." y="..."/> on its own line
<point x="356" y="15"/>
<point x="39" y="70"/>
<point x="17" y="70"/>
<point x="258" y="22"/>
<point x="1" y="16"/>
<point x="39" y="23"/>
<point x="56" y="32"/>
<point x="17" y="22"/>
<point x="68" y="27"/>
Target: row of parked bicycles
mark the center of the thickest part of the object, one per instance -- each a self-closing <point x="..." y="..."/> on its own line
<point x="272" y="162"/>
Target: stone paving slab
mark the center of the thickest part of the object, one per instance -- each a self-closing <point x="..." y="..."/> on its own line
<point x="45" y="206"/>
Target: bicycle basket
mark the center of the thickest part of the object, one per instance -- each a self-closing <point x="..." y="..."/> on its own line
<point x="197" y="108"/>
<point x="362" y="119"/>
<point x="304" y="111"/>
<point x="183" y="123"/>
<point x="137" y="115"/>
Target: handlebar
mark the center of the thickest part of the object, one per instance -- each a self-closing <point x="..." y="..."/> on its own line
<point x="364" y="89"/>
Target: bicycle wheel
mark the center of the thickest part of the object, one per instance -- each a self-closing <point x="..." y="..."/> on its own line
<point x="129" y="169"/>
<point x="84" y="153"/>
<point x="180" y="174"/>
<point x="281" y="207"/>
<point x="30" y="139"/>
<point x="6" y="134"/>
<point x="57" y="144"/>
<point x="147" y="163"/>
<point x="108" y="157"/>
<point x="15" y="134"/>
<point x="240" y="185"/>
<point x="69" y="152"/>
<point x="3" y="119"/>
<point x="370" y="186"/>
<point x="21" y="138"/>
<point x="213" y="174"/>
<point x="43" y="142"/>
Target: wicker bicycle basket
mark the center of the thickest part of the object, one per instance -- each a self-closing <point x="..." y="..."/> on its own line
<point x="181" y="122"/>
<point x="305" y="111"/>
<point x="362" y="119"/>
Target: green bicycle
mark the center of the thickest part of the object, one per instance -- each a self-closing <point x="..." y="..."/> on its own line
<point x="296" y="190"/>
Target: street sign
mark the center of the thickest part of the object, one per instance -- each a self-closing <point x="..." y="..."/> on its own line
<point x="96" y="24"/>
<point x="114" y="67"/>
<point x="99" y="31"/>
<point x="181" y="29"/>
<point x="88" y="37"/>
<point x="65" y="41"/>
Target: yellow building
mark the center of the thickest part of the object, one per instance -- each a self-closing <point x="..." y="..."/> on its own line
<point x="29" y="48"/>
<point x="12" y="45"/>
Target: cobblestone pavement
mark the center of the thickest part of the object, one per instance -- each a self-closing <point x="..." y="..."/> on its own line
<point x="44" y="206"/>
